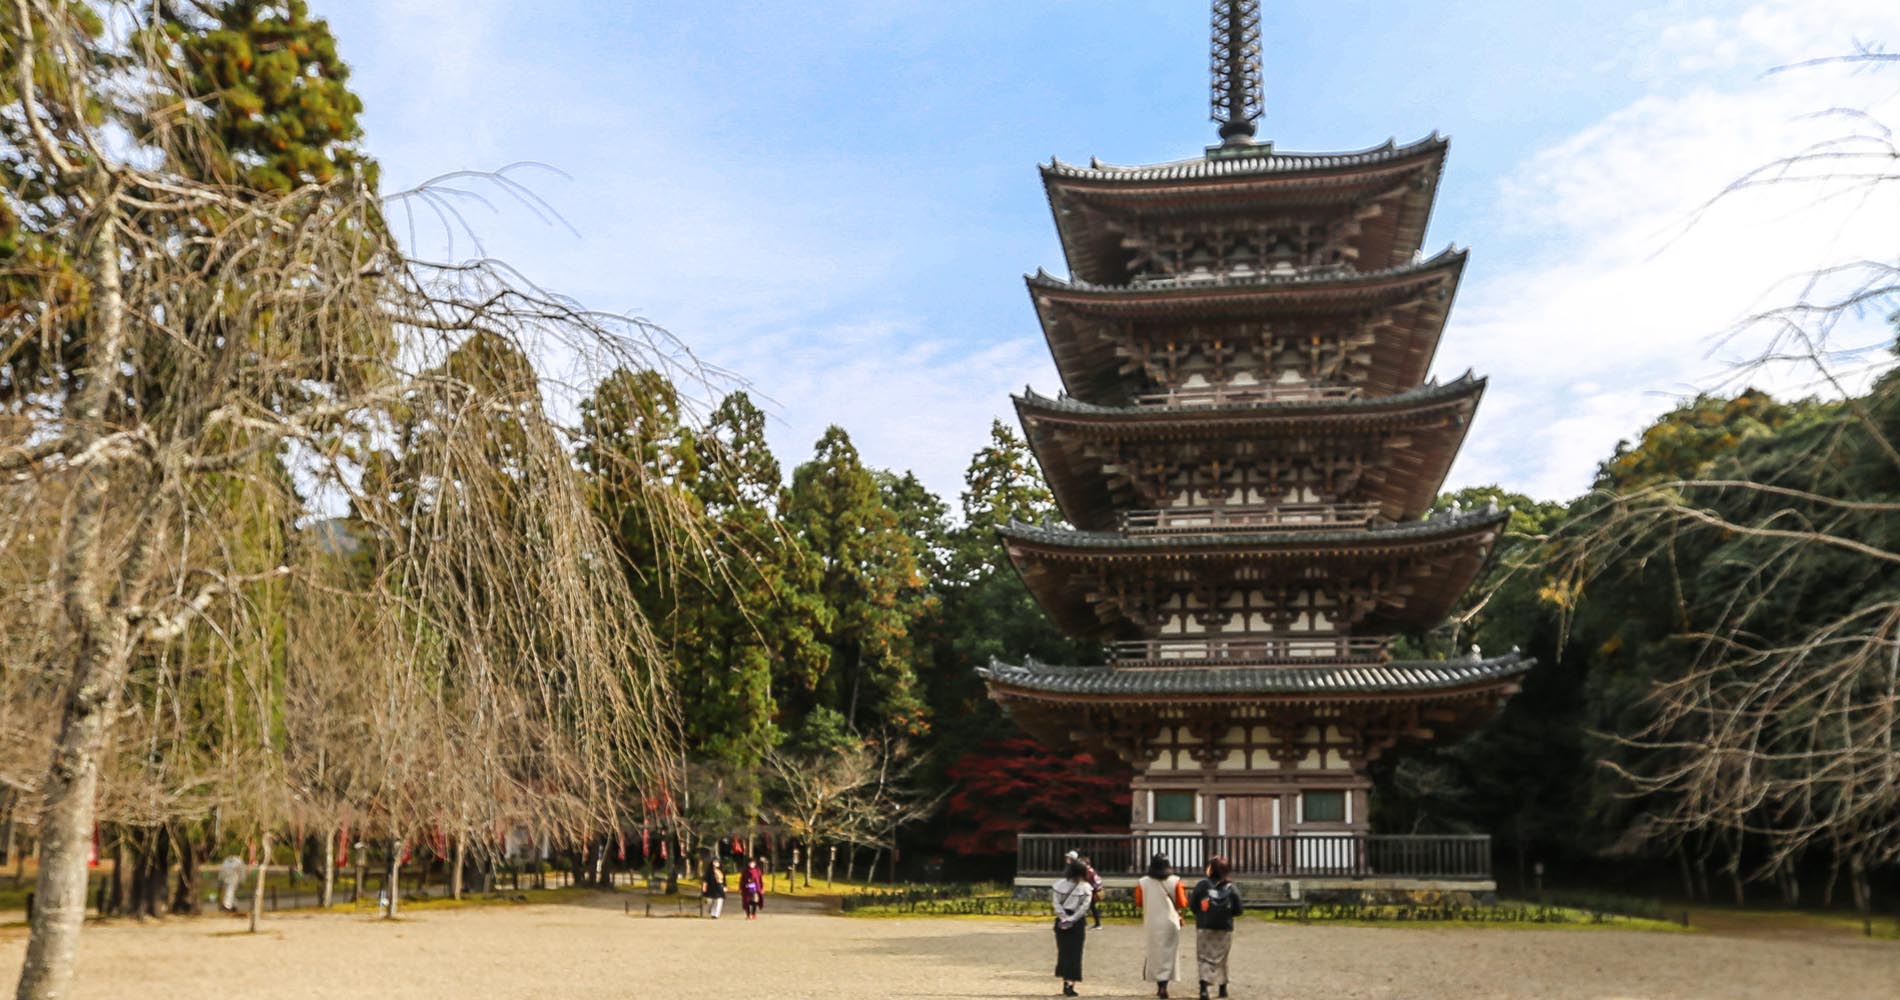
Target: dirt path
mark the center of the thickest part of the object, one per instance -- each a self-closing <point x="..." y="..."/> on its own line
<point x="593" y="950"/>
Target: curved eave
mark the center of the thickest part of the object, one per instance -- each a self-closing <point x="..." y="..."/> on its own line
<point x="1226" y="185"/>
<point x="1413" y="681"/>
<point x="1449" y="530"/>
<point x="1265" y="163"/>
<point x="1436" y="560"/>
<point x="1417" y="297"/>
<point x="1343" y="287"/>
<point x="1437" y="418"/>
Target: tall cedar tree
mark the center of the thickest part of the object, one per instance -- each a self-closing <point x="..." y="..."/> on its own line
<point x="870" y="579"/>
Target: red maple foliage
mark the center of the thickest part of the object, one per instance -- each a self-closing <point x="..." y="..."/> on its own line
<point x="1012" y="786"/>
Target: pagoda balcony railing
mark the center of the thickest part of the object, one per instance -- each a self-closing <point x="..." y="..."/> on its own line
<point x="1238" y="650"/>
<point x="1455" y="857"/>
<point x="1268" y="392"/>
<point x="1284" y="517"/>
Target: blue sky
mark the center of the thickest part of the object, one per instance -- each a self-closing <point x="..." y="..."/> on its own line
<point x="836" y="201"/>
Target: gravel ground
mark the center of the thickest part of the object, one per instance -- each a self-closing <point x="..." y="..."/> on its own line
<point x="593" y="950"/>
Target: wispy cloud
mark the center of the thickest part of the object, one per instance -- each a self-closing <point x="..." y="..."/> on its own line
<point x="1622" y="306"/>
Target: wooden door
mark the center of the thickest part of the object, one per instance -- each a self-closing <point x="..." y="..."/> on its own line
<point x="1249" y="821"/>
<point x="1250" y="816"/>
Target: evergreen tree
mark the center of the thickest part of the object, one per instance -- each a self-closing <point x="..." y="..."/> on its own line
<point x="869" y="579"/>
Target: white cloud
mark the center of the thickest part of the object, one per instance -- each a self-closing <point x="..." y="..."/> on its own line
<point x="1621" y="310"/>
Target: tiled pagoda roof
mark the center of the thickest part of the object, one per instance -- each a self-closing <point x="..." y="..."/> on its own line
<point x="1432" y="419"/>
<point x="1265" y="161"/>
<point x="1426" y="564"/>
<point x="1404" y="679"/>
<point x="1445" y="527"/>
<point x="1095" y="205"/>
<point x="1313" y="280"/>
<point x="1466" y="385"/>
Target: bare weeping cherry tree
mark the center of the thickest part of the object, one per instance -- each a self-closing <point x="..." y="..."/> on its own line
<point x="193" y="365"/>
<point x="1778" y="737"/>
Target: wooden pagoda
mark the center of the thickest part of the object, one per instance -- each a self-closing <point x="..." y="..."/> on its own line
<point x="1247" y="446"/>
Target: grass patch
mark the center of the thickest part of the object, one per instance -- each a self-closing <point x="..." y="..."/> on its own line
<point x="997" y="902"/>
<point x="1502" y="915"/>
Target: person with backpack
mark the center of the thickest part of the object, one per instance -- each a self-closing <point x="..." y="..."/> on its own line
<point x="1215" y="902"/>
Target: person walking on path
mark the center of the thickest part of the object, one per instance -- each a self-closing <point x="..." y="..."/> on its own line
<point x="1161" y="897"/>
<point x="1070" y="897"/>
<point x="1215" y="903"/>
<point x="714" y="889"/>
<point x="752" y="889"/>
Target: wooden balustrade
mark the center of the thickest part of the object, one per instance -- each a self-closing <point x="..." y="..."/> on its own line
<point x="1283" y="517"/>
<point x="1318" y="855"/>
<point x="1250" y="649"/>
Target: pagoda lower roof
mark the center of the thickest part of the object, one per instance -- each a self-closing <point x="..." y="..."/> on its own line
<point x="1397" y="680"/>
<point x="1372" y="410"/>
<point x="1442" y="529"/>
<point x="1416" y="434"/>
<point x="1335" y="284"/>
<point x="1425" y="566"/>
<point x="1086" y="325"/>
<point x="1093" y="203"/>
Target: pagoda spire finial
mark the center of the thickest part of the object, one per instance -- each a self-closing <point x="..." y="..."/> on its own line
<point x="1235" y="61"/>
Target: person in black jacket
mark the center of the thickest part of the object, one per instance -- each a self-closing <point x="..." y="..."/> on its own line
<point x="1215" y="902"/>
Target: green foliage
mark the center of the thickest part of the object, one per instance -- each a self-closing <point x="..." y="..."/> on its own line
<point x="871" y="580"/>
<point x="269" y="76"/>
<point x="1535" y="775"/>
<point x="1686" y="441"/>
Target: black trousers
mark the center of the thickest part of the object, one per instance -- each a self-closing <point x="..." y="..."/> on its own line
<point x="1069" y="951"/>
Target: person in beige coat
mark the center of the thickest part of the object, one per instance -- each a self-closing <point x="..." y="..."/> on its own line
<point x="1161" y="898"/>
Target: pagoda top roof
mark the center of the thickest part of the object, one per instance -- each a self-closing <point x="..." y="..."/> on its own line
<point x="1450" y="259"/>
<point x="1464" y="385"/>
<point x="1095" y="206"/>
<point x="1250" y="161"/>
<point x="1446" y="527"/>
<point x="1399" y="678"/>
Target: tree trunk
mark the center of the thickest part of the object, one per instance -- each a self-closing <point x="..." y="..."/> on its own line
<point x="185" y="890"/>
<point x="66" y="813"/>
<point x="362" y="872"/>
<point x="455" y="868"/>
<point x="257" y="891"/>
<point x="395" y="876"/>
<point x="153" y="872"/>
<point x="12" y="799"/>
<point x="101" y="654"/>
<point x="1790" y="887"/>
<point x="112" y="900"/>
<point x="850" y="861"/>
<point x="327" y="893"/>
<point x="1857" y="880"/>
<point x="1688" y="879"/>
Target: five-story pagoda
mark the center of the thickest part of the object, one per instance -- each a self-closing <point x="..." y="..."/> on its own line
<point x="1247" y="446"/>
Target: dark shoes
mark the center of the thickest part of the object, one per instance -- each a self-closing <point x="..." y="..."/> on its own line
<point x="1068" y="990"/>
<point x="1161" y="990"/>
<point x="1203" y="991"/>
<point x="1223" y="990"/>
